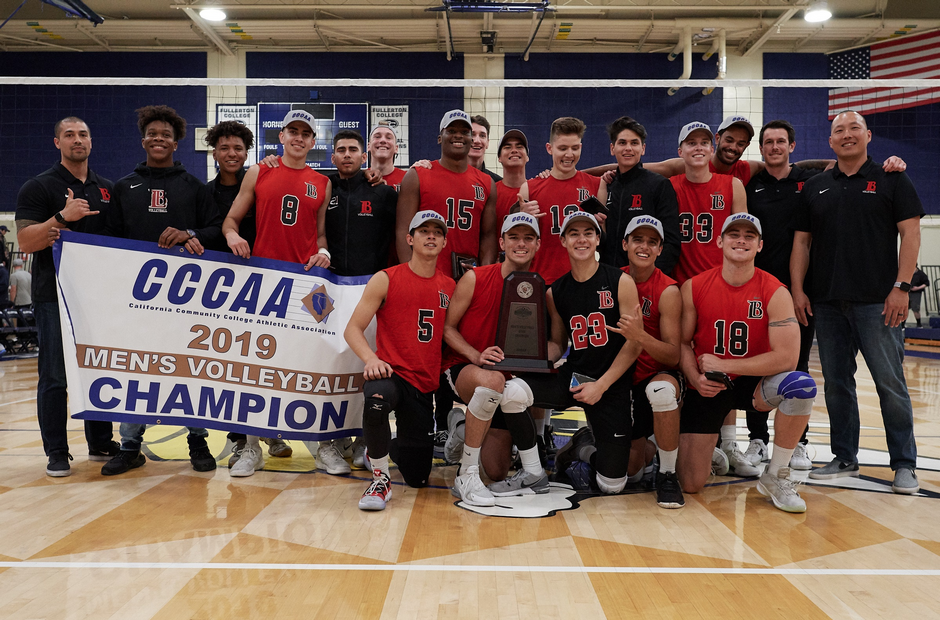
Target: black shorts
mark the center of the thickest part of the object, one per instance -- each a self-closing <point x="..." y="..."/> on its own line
<point x="643" y="411"/>
<point x="451" y="374"/>
<point x="705" y="415"/>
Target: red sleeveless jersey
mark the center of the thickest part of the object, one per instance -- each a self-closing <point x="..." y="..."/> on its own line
<point x="703" y="209"/>
<point x="740" y="170"/>
<point x="478" y="324"/>
<point x="732" y="320"/>
<point x="459" y="198"/>
<point x="286" y="204"/>
<point x="506" y="197"/>
<point x="557" y="199"/>
<point x="410" y="325"/>
<point x="393" y="178"/>
<point x="649" y="293"/>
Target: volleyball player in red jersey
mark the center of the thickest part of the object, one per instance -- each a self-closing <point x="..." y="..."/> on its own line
<point x="738" y="320"/>
<point x="560" y="194"/>
<point x="463" y="195"/>
<point x="409" y="302"/>
<point x="287" y="202"/>
<point x="705" y="202"/>
<point x="383" y="148"/>
<point x="657" y="385"/>
<point x="513" y="154"/>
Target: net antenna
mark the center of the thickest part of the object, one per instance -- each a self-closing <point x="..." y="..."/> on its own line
<point x="75" y="8"/>
<point x="490" y="6"/>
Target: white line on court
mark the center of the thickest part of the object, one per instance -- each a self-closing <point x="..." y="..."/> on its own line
<point x="16" y="402"/>
<point x="826" y="572"/>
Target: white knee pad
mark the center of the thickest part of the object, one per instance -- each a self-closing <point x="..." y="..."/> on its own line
<point x="662" y="396"/>
<point x="517" y="397"/>
<point x="792" y="393"/>
<point x="483" y="403"/>
<point x="610" y="486"/>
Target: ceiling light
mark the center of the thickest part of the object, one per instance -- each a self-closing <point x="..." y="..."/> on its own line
<point x="212" y="15"/>
<point x="817" y="12"/>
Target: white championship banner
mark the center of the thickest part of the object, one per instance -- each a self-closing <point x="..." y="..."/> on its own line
<point x="157" y="336"/>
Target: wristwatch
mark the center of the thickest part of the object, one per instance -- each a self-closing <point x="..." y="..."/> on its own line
<point x="904" y="286"/>
<point x="60" y="219"/>
<point x="192" y="234"/>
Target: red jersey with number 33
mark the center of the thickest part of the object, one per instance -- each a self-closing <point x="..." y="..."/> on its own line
<point x="732" y="321"/>
<point x="649" y="293"/>
<point x="410" y="325"/>
<point x="459" y="198"/>
<point x="703" y="209"/>
<point x="557" y="199"/>
<point x="287" y="201"/>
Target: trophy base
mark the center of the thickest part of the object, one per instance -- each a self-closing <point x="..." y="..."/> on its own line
<point x="524" y="365"/>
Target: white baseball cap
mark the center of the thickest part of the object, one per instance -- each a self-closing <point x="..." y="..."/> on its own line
<point x="645" y="221"/>
<point x="455" y="116"/>
<point x="422" y="218"/>
<point x="384" y="125"/>
<point x="302" y="116"/>
<point x="579" y="216"/>
<point x="693" y="126"/>
<point x="736" y="120"/>
<point x="742" y="217"/>
<point x="519" y="219"/>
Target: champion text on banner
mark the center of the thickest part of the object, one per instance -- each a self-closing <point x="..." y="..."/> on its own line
<point x="165" y="337"/>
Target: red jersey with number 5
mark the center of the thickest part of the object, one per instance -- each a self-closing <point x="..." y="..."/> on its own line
<point x="732" y="321"/>
<point x="557" y="199"/>
<point x="287" y="201"/>
<point x="409" y="332"/>
<point x="459" y="198"/>
<point x="703" y="209"/>
<point x="649" y="293"/>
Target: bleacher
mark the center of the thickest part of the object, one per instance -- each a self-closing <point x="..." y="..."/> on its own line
<point x="18" y="332"/>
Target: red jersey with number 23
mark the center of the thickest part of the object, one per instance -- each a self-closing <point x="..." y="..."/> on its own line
<point x="557" y="199"/>
<point x="703" y="209"/>
<point x="459" y="198"/>
<point x="410" y="325"/>
<point x="732" y="321"/>
<point x="649" y="293"/>
<point x="287" y="201"/>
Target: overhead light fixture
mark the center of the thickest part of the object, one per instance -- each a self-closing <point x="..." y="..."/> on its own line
<point x="817" y="12"/>
<point x="212" y="15"/>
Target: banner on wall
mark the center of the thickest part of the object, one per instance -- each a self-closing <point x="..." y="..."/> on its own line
<point x="331" y="118"/>
<point x="249" y="346"/>
<point x="243" y="113"/>
<point x="396" y="117"/>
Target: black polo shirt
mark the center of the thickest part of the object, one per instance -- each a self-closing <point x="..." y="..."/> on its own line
<point x="42" y="197"/>
<point x="853" y="220"/>
<point x="775" y="203"/>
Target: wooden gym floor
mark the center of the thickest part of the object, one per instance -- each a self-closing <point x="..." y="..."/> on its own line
<point x="166" y="542"/>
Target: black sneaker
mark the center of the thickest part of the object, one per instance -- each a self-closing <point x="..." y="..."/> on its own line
<point x="440" y="438"/>
<point x="199" y="455"/>
<point x="58" y="466"/>
<point x="125" y="460"/>
<point x="104" y="454"/>
<point x="668" y="490"/>
<point x="548" y="436"/>
<point x="568" y="453"/>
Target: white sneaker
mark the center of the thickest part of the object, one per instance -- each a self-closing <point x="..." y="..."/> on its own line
<point x="470" y="488"/>
<point x="456" y="429"/>
<point x="800" y="459"/>
<point x="378" y="494"/>
<point x="738" y="463"/>
<point x="248" y="463"/>
<point x="330" y="459"/>
<point x="720" y="465"/>
<point x="756" y="452"/>
<point x="359" y="453"/>
<point x="781" y="490"/>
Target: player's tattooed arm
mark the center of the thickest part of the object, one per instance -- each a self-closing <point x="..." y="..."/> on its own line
<point x="782" y="323"/>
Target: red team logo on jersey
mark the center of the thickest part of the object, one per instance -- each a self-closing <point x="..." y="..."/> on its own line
<point x="718" y="202"/>
<point x="365" y="207"/>
<point x="637" y="201"/>
<point x="583" y="194"/>
<point x="799" y="187"/>
<point x="311" y="190"/>
<point x="755" y="309"/>
<point x="870" y="189"/>
<point x="647" y="307"/>
<point x="158" y="200"/>
<point x="445" y="300"/>
<point x="479" y="193"/>
<point x="606" y="299"/>
<point x="105" y="194"/>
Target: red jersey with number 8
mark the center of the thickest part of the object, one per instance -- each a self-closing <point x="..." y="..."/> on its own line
<point x="732" y="321"/>
<point x="287" y="201"/>
<point x="459" y="198"/>
<point x="703" y="209"/>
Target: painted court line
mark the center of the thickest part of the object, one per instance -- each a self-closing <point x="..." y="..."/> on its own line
<point x="642" y="570"/>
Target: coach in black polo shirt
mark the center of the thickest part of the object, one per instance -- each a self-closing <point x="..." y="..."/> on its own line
<point x="636" y="191"/>
<point x="850" y="219"/>
<point x="68" y="195"/>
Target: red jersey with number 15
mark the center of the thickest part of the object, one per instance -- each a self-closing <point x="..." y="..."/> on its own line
<point x="649" y="293"/>
<point x="287" y="201"/>
<point x="459" y="198"/>
<point x="732" y="321"/>
<point x="703" y="209"/>
<point x="557" y="199"/>
<point x="409" y="332"/>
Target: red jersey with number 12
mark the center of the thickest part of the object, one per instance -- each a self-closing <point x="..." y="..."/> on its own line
<point x="732" y="321"/>
<point x="410" y="325"/>
<point x="287" y="201"/>
<point x="459" y="198"/>
<point x="557" y="199"/>
<point x="649" y="293"/>
<point x="703" y="209"/>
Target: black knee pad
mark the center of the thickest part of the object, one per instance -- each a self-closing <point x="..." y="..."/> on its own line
<point x="414" y="462"/>
<point x="375" y="410"/>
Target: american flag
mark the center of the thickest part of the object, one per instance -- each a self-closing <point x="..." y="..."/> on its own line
<point x="908" y="57"/>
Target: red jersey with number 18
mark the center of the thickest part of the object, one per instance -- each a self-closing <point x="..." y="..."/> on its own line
<point x="409" y="332"/>
<point x="459" y="198"/>
<point x="732" y="321"/>
<point x="703" y="209"/>
<point x="287" y="201"/>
